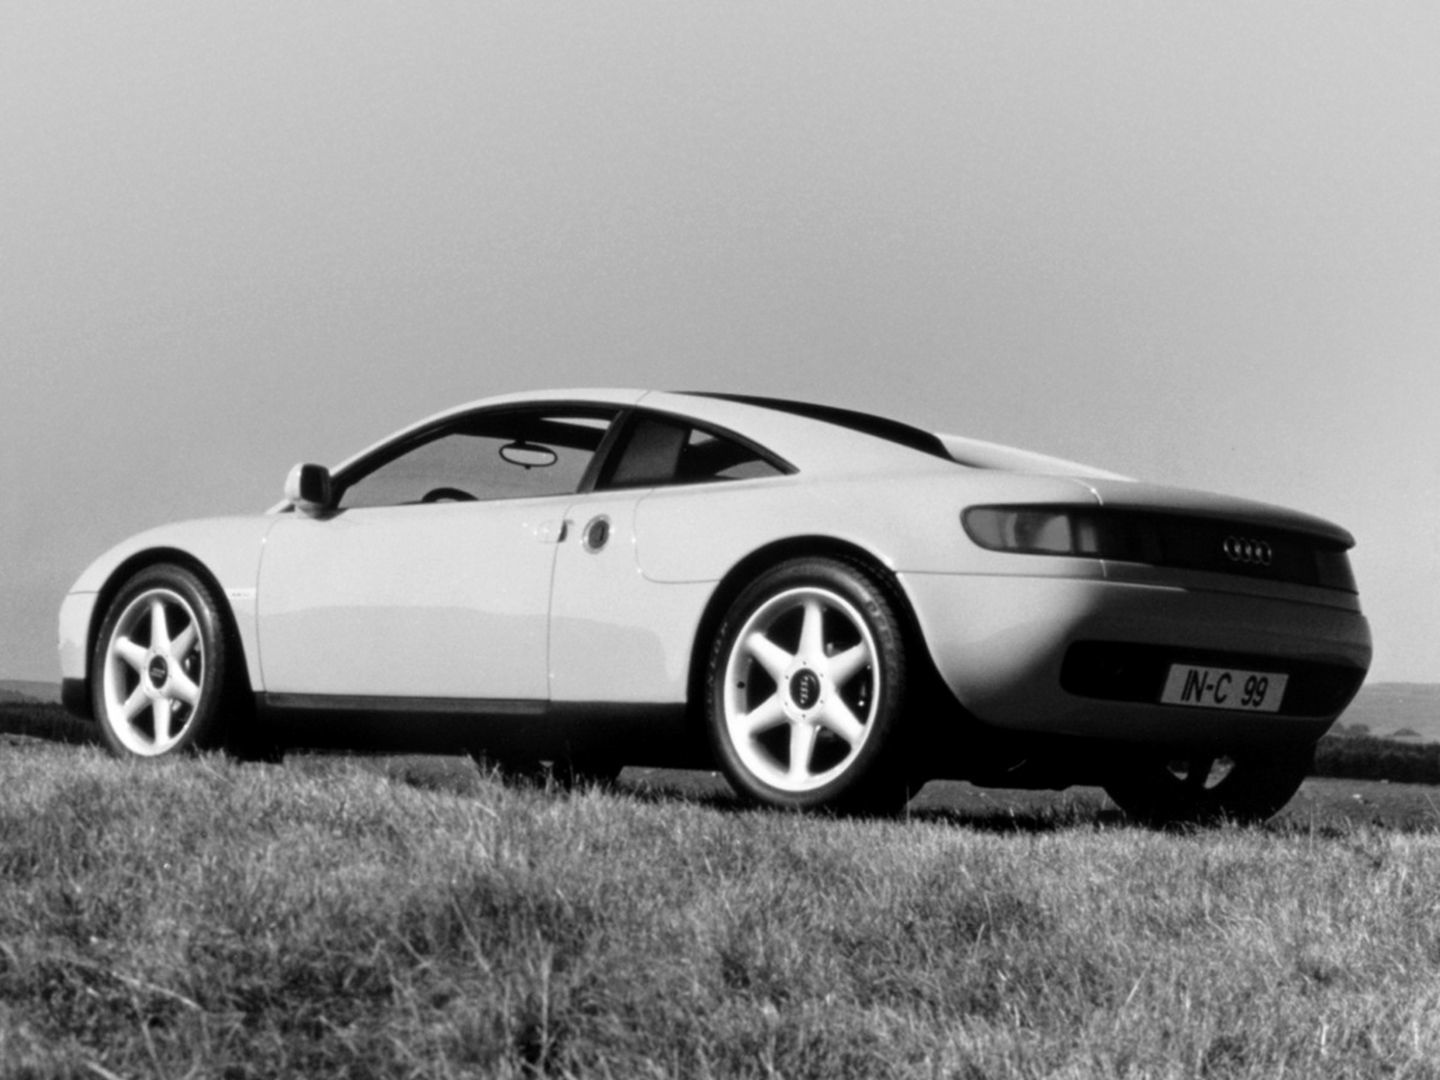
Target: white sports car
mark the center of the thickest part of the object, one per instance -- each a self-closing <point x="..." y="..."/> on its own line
<point x="829" y="606"/>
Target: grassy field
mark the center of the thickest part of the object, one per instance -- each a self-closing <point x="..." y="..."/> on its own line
<point x="413" y="917"/>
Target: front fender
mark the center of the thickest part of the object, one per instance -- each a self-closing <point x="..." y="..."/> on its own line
<point x="225" y="549"/>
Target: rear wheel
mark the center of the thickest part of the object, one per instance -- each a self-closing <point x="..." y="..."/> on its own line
<point x="159" y="668"/>
<point x="1207" y="788"/>
<point x="806" y="689"/>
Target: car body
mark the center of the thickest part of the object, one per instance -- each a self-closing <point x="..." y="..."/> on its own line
<point x="833" y="607"/>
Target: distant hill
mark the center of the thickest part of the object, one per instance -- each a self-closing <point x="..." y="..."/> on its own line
<point x="22" y="690"/>
<point x="1404" y="710"/>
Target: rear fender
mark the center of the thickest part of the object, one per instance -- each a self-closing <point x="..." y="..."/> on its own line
<point x="907" y="523"/>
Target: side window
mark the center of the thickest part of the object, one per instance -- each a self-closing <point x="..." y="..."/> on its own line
<point x="711" y="457"/>
<point x="658" y="450"/>
<point x="509" y="454"/>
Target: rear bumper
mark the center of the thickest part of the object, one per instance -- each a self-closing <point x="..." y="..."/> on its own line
<point x="1136" y="672"/>
<point x="1081" y="657"/>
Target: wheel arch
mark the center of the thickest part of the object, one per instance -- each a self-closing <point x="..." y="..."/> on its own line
<point x="771" y="555"/>
<point x="141" y="560"/>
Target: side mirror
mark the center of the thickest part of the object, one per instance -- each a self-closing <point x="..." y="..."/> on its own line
<point x="308" y="488"/>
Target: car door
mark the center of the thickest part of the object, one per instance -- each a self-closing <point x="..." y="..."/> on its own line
<point x="431" y="578"/>
<point x="616" y="635"/>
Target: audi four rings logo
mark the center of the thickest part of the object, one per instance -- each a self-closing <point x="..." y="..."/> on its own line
<point x="1242" y="549"/>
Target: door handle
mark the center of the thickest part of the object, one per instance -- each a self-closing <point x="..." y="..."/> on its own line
<point x="552" y="532"/>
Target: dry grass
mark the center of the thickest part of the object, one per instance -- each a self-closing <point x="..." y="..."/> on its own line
<point x="326" y="919"/>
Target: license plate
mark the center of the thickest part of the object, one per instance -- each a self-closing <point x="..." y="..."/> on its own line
<point x="1224" y="688"/>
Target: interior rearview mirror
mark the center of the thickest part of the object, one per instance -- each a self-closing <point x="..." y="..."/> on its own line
<point x="308" y="488"/>
<point x="529" y="455"/>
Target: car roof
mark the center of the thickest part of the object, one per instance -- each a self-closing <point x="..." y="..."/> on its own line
<point x="814" y="438"/>
<point x="822" y="440"/>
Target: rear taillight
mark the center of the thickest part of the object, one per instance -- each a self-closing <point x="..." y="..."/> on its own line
<point x="1034" y="530"/>
<point x="1160" y="539"/>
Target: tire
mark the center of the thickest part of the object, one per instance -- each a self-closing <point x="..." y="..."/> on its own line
<point x="805" y="690"/>
<point x="1205" y="789"/>
<point x="158" y="673"/>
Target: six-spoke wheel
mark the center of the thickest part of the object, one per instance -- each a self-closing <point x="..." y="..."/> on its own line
<point x="806" y="688"/>
<point x="159" y="665"/>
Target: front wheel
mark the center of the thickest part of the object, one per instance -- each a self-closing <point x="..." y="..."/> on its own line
<point x="1207" y="788"/>
<point x="805" y="689"/>
<point x="159" y="665"/>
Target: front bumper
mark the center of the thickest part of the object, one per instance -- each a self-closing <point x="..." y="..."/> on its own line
<point x="76" y="611"/>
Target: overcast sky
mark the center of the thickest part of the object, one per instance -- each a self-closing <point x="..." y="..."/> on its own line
<point x="1197" y="243"/>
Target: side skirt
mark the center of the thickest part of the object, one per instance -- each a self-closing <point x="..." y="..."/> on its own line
<point x="632" y="734"/>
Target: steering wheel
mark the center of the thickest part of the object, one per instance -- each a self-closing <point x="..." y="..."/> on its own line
<point x="451" y="493"/>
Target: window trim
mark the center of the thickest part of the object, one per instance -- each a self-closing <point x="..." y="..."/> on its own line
<point x="413" y="439"/>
